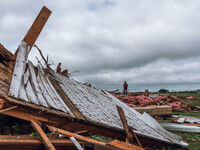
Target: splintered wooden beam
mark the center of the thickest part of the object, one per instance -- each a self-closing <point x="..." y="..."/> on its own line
<point x="37" y="26"/>
<point x="127" y="128"/>
<point x="69" y="104"/>
<point x="124" y="122"/>
<point x="135" y="136"/>
<point x="123" y="145"/>
<point x="47" y="143"/>
<point x="79" y="137"/>
<point x="7" y="109"/>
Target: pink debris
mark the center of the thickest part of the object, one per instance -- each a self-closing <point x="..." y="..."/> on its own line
<point x="190" y="97"/>
<point x="131" y="105"/>
<point x="134" y="101"/>
<point x="176" y="105"/>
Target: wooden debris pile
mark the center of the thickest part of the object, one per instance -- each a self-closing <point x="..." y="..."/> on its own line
<point x="40" y="95"/>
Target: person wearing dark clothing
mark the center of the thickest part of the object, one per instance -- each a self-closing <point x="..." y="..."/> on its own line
<point x="125" y="87"/>
<point x="65" y="72"/>
<point x="58" y="68"/>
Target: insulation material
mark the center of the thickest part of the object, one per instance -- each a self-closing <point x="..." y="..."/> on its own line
<point x="136" y="101"/>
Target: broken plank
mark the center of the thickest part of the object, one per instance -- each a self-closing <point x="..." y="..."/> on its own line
<point x="33" y="106"/>
<point x="82" y="132"/>
<point x="69" y="104"/>
<point x="37" y="26"/>
<point x="7" y="109"/>
<point x="78" y="146"/>
<point x="17" y="113"/>
<point x="124" y="122"/>
<point x="79" y="137"/>
<point x="46" y="141"/>
<point x="135" y="136"/>
<point x="123" y="145"/>
<point x="28" y="140"/>
<point x="19" y="69"/>
<point x="25" y="142"/>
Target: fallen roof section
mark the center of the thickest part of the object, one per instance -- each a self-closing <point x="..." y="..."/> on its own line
<point x="34" y="85"/>
<point x="100" y="106"/>
<point x="53" y="91"/>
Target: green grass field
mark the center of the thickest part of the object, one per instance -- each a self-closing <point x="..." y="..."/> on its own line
<point x="193" y="139"/>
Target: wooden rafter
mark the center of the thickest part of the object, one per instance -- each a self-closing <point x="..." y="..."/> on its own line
<point x="70" y="105"/>
<point x="7" y="109"/>
<point x="79" y="137"/>
<point x="46" y="141"/>
<point x="115" y="144"/>
<point x="36" y="28"/>
<point x="124" y="122"/>
<point x="129" y="131"/>
<point x="123" y="145"/>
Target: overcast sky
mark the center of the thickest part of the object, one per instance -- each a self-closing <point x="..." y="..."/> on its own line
<point x="151" y="44"/>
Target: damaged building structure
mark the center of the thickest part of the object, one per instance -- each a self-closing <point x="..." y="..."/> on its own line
<point x="44" y="97"/>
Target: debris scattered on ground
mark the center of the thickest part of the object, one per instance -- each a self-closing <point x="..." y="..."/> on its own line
<point x="138" y="101"/>
<point x="186" y="119"/>
<point x="47" y="100"/>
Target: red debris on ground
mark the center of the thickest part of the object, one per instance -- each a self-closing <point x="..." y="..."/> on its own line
<point x="138" y="101"/>
<point x="190" y="97"/>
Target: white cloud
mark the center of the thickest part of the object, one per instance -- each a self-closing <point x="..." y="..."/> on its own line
<point x="148" y="43"/>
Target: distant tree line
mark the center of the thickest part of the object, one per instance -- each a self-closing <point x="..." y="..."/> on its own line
<point x="167" y="91"/>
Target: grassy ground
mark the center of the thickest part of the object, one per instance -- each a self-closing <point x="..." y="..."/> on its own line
<point x="191" y="138"/>
<point x="195" y="102"/>
<point x="193" y="114"/>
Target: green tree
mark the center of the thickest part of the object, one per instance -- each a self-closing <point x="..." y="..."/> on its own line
<point x="163" y="91"/>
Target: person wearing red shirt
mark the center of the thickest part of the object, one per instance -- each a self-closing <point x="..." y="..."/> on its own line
<point x="125" y="87"/>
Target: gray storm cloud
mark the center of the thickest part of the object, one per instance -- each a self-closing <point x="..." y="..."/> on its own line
<point x="151" y="44"/>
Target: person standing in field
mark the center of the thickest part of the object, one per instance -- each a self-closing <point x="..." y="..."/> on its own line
<point x="125" y="87"/>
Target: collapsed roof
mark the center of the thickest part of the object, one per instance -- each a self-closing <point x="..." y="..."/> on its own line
<point x="45" y="88"/>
